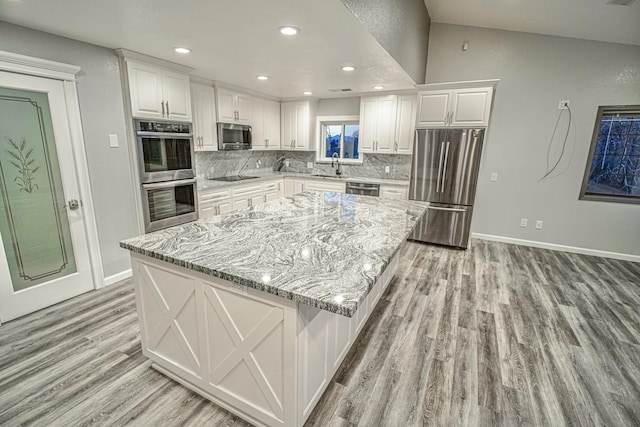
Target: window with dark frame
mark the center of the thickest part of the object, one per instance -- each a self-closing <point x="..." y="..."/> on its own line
<point x="613" y="169"/>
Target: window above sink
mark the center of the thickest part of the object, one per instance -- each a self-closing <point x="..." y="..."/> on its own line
<point x="339" y="135"/>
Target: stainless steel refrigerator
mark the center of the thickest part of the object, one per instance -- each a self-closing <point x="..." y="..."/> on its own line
<point x="444" y="172"/>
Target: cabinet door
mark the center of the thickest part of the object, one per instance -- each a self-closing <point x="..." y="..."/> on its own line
<point x="177" y="96"/>
<point x="368" y="118"/>
<point x="224" y="207"/>
<point x="386" y="124"/>
<point x="289" y="187"/>
<point x="258" y="114"/>
<point x="243" y="107"/>
<point x="206" y="210"/>
<point x="270" y="195"/>
<point x="301" y="140"/>
<point x="393" y="193"/>
<point x="299" y="186"/>
<point x="471" y="107"/>
<point x="226" y="105"/>
<point x="145" y="91"/>
<point x="205" y="134"/>
<point x="240" y="203"/>
<point x="272" y="124"/>
<point x="405" y="124"/>
<point x="433" y="108"/>
<point x="287" y="126"/>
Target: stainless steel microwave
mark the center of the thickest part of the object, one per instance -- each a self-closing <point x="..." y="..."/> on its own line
<point x="234" y="136"/>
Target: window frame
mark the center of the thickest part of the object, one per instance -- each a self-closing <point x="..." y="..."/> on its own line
<point x="615" y="198"/>
<point x="321" y="122"/>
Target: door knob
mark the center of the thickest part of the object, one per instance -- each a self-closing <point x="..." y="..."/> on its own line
<point x="72" y="204"/>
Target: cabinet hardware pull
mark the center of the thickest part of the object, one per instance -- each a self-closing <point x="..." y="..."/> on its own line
<point x="162" y="103"/>
<point x="168" y="113"/>
<point x="444" y="171"/>
<point x="440" y="166"/>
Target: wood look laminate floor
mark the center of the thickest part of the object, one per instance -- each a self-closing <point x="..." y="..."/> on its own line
<point x="495" y="335"/>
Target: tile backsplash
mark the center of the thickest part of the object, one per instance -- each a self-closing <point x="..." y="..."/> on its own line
<point x="223" y="163"/>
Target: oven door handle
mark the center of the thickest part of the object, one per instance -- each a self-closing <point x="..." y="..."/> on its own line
<point x="168" y="184"/>
<point x="164" y="134"/>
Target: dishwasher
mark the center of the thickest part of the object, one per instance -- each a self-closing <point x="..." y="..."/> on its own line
<point x="363" y="189"/>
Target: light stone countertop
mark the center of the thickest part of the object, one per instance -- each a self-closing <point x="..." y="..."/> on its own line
<point x="323" y="249"/>
<point x="208" y="184"/>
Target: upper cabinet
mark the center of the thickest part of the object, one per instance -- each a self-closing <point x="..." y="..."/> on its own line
<point x="233" y="107"/>
<point x="205" y="134"/>
<point x="265" y="124"/>
<point x="298" y="125"/>
<point x="378" y="124"/>
<point x="158" y="93"/>
<point x="455" y="107"/>
<point x="405" y="124"/>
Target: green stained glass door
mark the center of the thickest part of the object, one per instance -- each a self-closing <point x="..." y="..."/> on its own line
<point x="33" y="221"/>
<point x="41" y="238"/>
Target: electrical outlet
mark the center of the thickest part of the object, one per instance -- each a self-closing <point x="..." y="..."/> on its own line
<point x="387" y="169"/>
<point x="309" y="165"/>
<point x="563" y="105"/>
<point x="494" y="176"/>
<point x="523" y="222"/>
<point x="113" y="140"/>
<point x="538" y="225"/>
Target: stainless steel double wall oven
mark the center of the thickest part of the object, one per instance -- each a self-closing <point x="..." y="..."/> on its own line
<point x="166" y="162"/>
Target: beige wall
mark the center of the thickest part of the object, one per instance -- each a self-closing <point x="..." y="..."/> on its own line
<point x="535" y="73"/>
<point x="102" y="112"/>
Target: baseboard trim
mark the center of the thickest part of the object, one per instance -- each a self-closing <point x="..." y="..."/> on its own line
<point x="555" y="247"/>
<point x="118" y="277"/>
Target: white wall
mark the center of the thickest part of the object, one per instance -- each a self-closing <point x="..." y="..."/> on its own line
<point x="401" y="27"/>
<point x="339" y="107"/>
<point x="102" y="111"/>
<point x="536" y="72"/>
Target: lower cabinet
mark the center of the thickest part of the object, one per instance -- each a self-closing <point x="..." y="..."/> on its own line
<point x="393" y="192"/>
<point x="212" y="203"/>
<point x="219" y="202"/>
<point x="296" y="185"/>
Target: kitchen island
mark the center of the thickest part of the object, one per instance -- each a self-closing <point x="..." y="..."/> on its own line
<point x="256" y="309"/>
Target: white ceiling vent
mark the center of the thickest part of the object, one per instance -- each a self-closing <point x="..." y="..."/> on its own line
<point x="344" y="90"/>
<point x="621" y="2"/>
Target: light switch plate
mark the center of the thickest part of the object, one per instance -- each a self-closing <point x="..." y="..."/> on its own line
<point x="387" y="169"/>
<point x="494" y="176"/>
<point x="113" y="140"/>
<point x="309" y="165"/>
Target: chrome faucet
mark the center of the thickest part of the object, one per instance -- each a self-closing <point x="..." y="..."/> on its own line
<point x="335" y="157"/>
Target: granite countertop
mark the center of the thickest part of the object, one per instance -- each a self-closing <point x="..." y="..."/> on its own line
<point x="319" y="248"/>
<point x="208" y="184"/>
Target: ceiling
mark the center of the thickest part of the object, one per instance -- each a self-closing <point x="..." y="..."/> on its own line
<point x="581" y="19"/>
<point x="232" y="41"/>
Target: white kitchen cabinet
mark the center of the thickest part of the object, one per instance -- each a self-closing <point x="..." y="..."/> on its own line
<point x="265" y="124"/>
<point x="378" y="124"/>
<point x="324" y="185"/>
<point x="405" y="124"/>
<point x="298" y="125"/>
<point x="247" y="195"/>
<point x="214" y="202"/>
<point x="271" y="190"/>
<point x="455" y="107"/>
<point x="205" y="134"/>
<point x="157" y="93"/>
<point x="233" y="107"/>
<point x="393" y="192"/>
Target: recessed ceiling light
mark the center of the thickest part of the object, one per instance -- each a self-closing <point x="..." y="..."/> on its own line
<point x="263" y="78"/>
<point x="289" y="31"/>
<point x="307" y="92"/>
<point x="348" y="68"/>
<point x="378" y="87"/>
<point x="182" y="50"/>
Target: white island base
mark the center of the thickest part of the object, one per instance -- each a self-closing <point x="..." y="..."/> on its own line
<point x="262" y="357"/>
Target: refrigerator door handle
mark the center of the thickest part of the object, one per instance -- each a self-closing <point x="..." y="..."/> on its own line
<point x="446" y="209"/>
<point x="440" y="167"/>
<point x="444" y="169"/>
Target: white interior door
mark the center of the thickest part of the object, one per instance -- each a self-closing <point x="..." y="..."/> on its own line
<point x="44" y="254"/>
